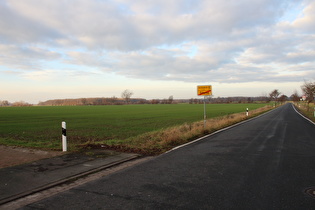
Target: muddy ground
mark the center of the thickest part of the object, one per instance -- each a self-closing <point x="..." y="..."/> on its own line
<point x="10" y="156"/>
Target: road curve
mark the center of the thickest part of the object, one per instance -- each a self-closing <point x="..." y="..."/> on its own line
<point x="265" y="163"/>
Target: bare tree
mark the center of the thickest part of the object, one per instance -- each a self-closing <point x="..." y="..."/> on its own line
<point x="309" y="91"/>
<point x="295" y="96"/>
<point x="274" y="95"/>
<point x="113" y="100"/>
<point x="21" y="103"/>
<point x="170" y="99"/>
<point x="126" y="94"/>
<point x="155" y="101"/>
<point x="84" y="101"/>
<point x="4" y="103"/>
<point x="283" y="98"/>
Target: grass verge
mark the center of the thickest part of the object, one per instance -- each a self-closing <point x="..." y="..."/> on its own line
<point x="306" y="111"/>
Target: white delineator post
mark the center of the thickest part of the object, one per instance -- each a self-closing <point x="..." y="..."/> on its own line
<point x="246" y="111"/>
<point x="64" y="137"/>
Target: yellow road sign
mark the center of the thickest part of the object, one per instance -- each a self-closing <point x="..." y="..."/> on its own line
<point x="204" y="90"/>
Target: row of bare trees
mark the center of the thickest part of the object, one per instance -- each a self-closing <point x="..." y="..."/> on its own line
<point x="308" y="89"/>
<point x="275" y="96"/>
<point x="18" y="103"/>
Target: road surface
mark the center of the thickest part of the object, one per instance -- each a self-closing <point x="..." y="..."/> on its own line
<point x="265" y="163"/>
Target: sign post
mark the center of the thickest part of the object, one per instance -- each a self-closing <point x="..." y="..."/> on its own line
<point x="204" y="90"/>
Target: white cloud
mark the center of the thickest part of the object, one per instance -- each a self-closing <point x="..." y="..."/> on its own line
<point x="190" y="41"/>
<point x="40" y="75"/>
<point x="307" y="21"/>
<point x="99" y="24"/>
<point x="25" y="57"/>
<point x="16" y="28"/>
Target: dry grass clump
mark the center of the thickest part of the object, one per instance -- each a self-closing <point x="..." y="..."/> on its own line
<point x="157" y="142"/>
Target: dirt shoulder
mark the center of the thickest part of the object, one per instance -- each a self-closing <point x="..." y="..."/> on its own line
<point x="10" y="156"/>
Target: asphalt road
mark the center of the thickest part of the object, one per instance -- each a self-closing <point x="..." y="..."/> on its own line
<point x="265" y="163"/>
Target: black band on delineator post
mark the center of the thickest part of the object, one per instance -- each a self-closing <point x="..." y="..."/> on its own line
<point x="64" y="132"/>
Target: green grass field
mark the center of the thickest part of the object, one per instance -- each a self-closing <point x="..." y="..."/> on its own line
<point x="40" y="126"/>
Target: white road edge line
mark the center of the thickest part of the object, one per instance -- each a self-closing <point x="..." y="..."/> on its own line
<point x="223" y="129"/>
<point x="302" y="115"/>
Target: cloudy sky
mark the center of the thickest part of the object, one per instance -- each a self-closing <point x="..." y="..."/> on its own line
<point x="156" y="48"/>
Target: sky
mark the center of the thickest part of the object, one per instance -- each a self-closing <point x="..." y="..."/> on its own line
<point x="155" y="48"/>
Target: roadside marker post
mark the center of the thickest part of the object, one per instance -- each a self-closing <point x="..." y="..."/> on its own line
<point x="64" y="136"/>
<point x="247" y="112"/>
<point x="204" y="90"/>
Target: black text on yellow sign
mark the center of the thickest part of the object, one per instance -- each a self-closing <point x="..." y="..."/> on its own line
<point x="204" y="90"/>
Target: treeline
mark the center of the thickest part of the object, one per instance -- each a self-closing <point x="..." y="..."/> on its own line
<point x="226" y="100"/>
<point x="122" y="101"/>
<point x="170" y="100"/>
<point x="90" y="101"/>
<point x="18" y="103"/>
